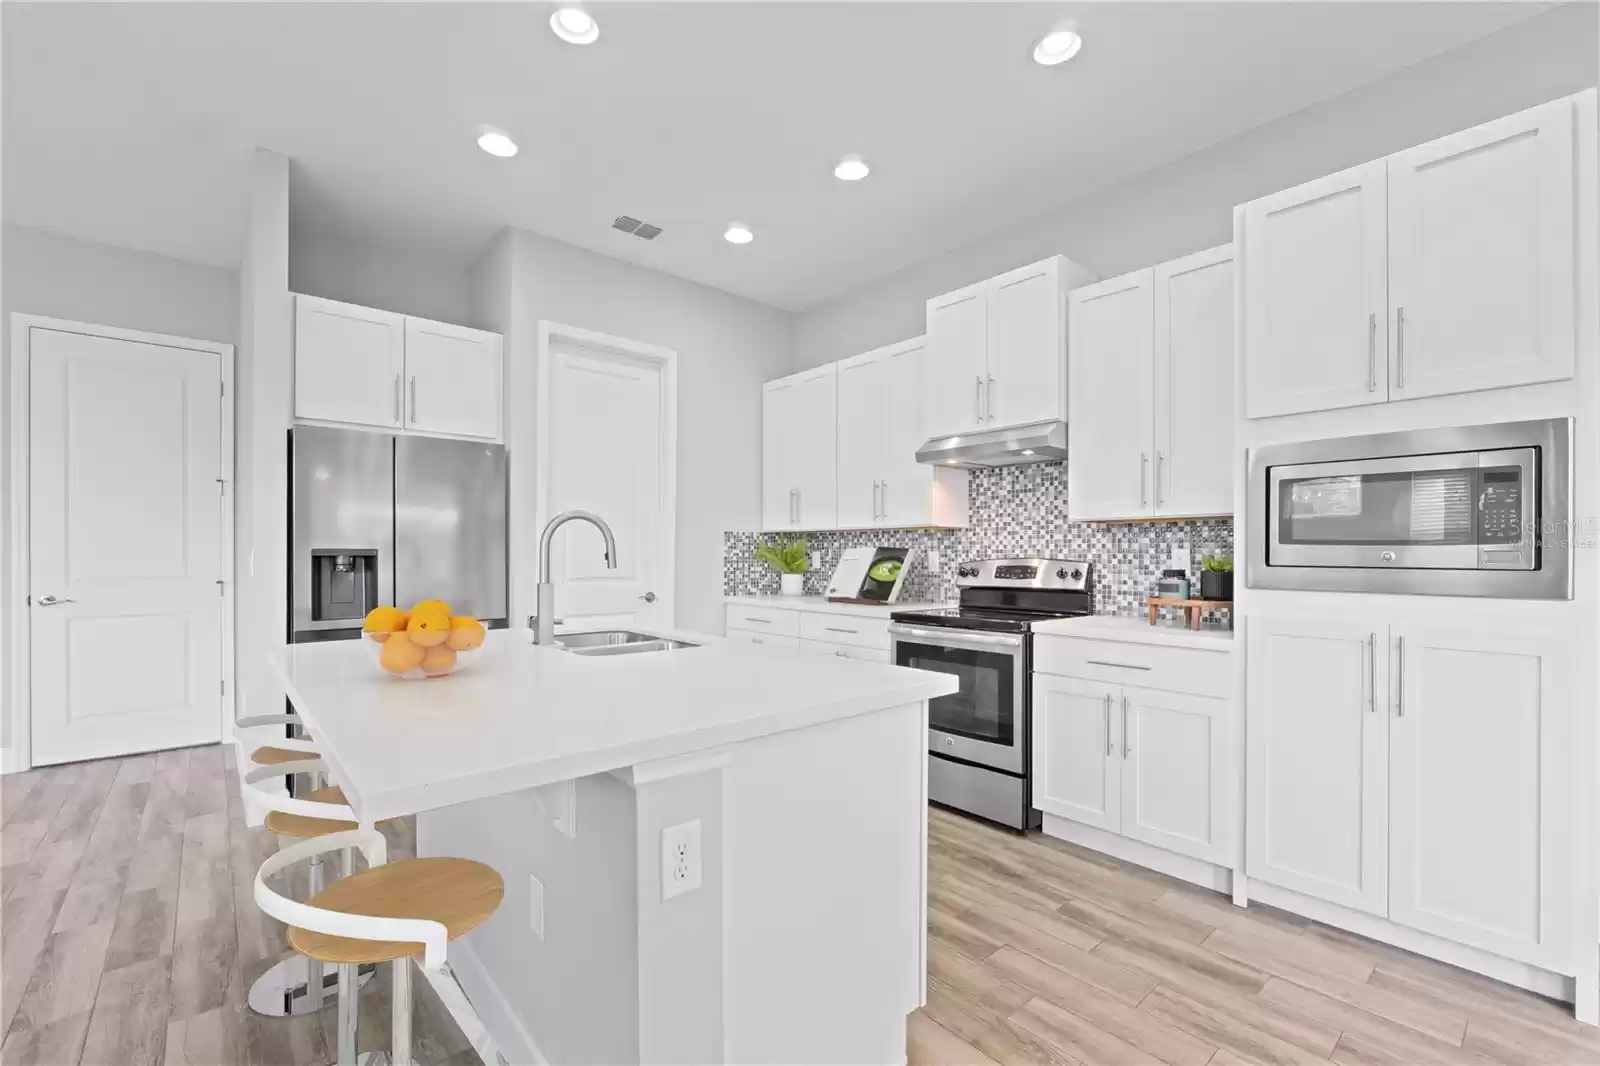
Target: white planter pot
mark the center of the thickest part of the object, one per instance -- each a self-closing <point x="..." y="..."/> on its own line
<point x="792" y="584"/>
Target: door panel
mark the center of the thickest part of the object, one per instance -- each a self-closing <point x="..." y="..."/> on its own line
<point x="348" y="362"/>
<point x="1175" y="772"/>
<point x="1316" y="276"/>
<point x="452" y="380"/>
<point x="1481" y="256"/>
<point x="1109" y="427"/>
<point x="126" y="525"/>
<point x="812" y="453"/>
<point x="1317" y="759"/>
<point x="864" y="397"/>
<point x="1077" y="762"/>
<point x="958" y="360"/>
<point x="1481" y="789"/>
<point x="907" y="492"/>
<point x="1027" y="353"/>
<point x="1193" y="385"/>
<point x="779" y="434"/>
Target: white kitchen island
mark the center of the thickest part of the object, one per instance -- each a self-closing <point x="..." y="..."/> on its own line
<point x="807" y="777"/>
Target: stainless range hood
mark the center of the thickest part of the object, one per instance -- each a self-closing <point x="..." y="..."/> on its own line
<point x="1036" y="442"/>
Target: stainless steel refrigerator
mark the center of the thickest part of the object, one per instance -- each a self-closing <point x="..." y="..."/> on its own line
<point x="381" y="518"/>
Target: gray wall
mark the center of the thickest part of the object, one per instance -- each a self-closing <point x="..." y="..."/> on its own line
<point x="407" y="280"/>
<point x="1187" y="205"/>
<point x="61" y="277"/>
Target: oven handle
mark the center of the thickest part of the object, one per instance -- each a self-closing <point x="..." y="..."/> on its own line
<point x="957" y="638"/>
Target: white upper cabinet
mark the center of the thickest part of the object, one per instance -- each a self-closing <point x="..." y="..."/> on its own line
<point x="864" y="396"/>
<point x="1109" y="420"/>
<point x="452" y="380"/>
<point x="958" y="359"/>
<point x="360" y="366"/>
<point x="349" y="363"/>
<point x="1481" y="794"/>
<point x="799" y="450"/>
<point x="1446" y="268"/>
<point x="1150" y="408"/>
<point x="1315" y="295"/>
<point x="1481" y="256"/>
<point x="997" y="350"/>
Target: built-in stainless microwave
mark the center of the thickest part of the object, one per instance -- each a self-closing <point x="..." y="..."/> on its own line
<point x="1468" y="511"/>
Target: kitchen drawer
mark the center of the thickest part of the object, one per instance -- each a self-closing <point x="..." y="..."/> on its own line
<point x="1201" y="673"/>
<point x="845" y="651"/>
<point x="745" y="636"/>
<point x="763" y="620"/>
<point x="846" y="629"/>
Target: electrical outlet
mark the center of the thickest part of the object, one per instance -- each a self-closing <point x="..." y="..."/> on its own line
<point x="536" y="906"/>
<point x="680" y="859"/>
<point x="1179" y="560"/>
<point x="933" y="560"/>
<point x="816" y="560"/>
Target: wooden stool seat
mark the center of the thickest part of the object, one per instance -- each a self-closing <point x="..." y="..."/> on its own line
<point x="270" y="756"/>
<point x="302" y="827"/>
<point x="458" y="893"/>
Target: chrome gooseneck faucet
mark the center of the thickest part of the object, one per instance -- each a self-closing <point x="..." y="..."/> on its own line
<point x="544" y="631"/>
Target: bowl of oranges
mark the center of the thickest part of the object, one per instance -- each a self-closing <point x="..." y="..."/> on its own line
<point x="427" y="641"/>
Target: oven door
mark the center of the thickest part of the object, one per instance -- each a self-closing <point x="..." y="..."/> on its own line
<point x="986" y="720"/>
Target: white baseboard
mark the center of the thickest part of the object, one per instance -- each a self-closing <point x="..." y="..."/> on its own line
<point x="497" y="1015"/>
<point x="13" y="761"/>
<point x="1195" y="871"/>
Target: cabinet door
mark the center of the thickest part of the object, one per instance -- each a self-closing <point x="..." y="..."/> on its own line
<point x="1317" y="751"/>
<point x="1481" y="788"/>
<point x="1109" y="421"/>
<point x="1175" y="775"/>
<point x="1026" y="379"/>
<point x="843" y="651"/>
<point x="348" y="362"/>
<point x="958" y="360"/>
<point x="744" y="636"/>
<point x="813" y="448"/>
<point x="778" y="435"/>
<point x="1315" y="296"/>
<point x="1076" y="760"/>
<point x="452" y="380"/>
<point x="864" y="398"/>
<point x="1481" y="257"/>
<point x="1193" y="375"/>
<point x="907" y="495"/>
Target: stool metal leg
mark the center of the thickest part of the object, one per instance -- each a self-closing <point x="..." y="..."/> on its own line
<point x="314" y="992"/>
<point x="400" y="1014"/>
<point x="349" y="1005"/>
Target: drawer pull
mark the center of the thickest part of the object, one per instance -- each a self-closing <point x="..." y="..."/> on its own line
<point x="1119" y="666"/>
<point x="759" y="621"/>
<point x="836" y="629"/>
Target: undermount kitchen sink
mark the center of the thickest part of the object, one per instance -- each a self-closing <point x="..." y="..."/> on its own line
<point x="617" y="642"/>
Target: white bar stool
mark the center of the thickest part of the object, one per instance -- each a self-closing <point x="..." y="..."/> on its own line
<point x="390" y="912"/>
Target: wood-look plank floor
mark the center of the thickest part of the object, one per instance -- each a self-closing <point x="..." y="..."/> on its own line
<point x="128" y="936"/>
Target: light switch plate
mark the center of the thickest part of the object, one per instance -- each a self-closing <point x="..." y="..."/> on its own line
<point x="816" y="560"/>
<point x="1179" y="560"/>
<point x="933" y="559"/>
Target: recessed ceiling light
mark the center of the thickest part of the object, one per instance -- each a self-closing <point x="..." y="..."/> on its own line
<point x="496" y="143"/>
<point x="851" y="168"/>
<point x="738" y="233"/>
<point x="1027" y="451"/>
<point x="574" y="25"/>
<point x="1057" y="46"/>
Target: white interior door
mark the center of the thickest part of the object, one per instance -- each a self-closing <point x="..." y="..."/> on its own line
<point x="125" y="535"/>
<point x="610" y="446"/>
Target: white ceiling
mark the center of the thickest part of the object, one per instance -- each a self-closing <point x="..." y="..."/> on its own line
<point x="131" y="123"/>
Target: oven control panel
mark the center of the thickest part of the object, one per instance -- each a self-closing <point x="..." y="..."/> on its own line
<point x="1024" y="573"/>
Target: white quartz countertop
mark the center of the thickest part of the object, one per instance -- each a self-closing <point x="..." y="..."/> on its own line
<point x="1136" y="631"/>
<point x="522" y="715"/>
<point x="822" y="605"/>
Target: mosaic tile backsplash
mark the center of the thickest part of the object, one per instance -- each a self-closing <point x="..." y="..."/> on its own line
<point x="1015" y="511"/>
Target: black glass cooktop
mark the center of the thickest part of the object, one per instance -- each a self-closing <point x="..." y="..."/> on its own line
<point x="986" y="619"/>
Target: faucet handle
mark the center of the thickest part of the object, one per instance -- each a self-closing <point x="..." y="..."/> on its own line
<point x="533" y="621"/>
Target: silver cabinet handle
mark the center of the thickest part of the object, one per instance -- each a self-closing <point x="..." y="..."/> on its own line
<point x="988" y="399"/>
<point x="397" y="399"/>
<point x="413" y="397"/>
<point x="1400" y="347"/>
<point x="52" y="601"/>
<point x="838" y="629"/>
<point x="977" y="399"/>
<point x="842" y="654"/>
<point x="1144" y="478"/>
<point x="1372" y="352"/>
<point x="1119" y="666"/>
<point x="648" y="597"/>
<point x="1126" y="745"/>
<point x="758" y="621"/>
<point x="877" y="505"/>
<point x="884" y="507"/>
<point x="799" y="506"/>
<point x="1160" y="458"/>
<point x="1108" y="725"/>
<point x="1372" y="673"/>
<point x="1400" y="677"/>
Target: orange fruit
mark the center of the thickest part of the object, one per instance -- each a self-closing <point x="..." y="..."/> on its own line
<point x="433" y="605"/>
<point x="400" y="654"/>
<point x="465" y="633"/>
<point x="381" y="621"/>
<point x="438" y="661"/>
<point x="428" y="626"/>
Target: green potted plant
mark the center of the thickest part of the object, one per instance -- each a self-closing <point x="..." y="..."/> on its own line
<point x="790" y="558"/>
<point x="1216" y="577"/>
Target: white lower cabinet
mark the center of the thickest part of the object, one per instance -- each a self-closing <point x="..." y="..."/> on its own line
<point x="840" y="635"/>
<point x="1424" y="774"/>
<point x="844" y="651"/>
<point x="745" y="636"/>
<point x="1149" y="764"/>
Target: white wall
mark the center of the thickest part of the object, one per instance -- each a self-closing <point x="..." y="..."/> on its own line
<point x="1187" y="206"/>
<point x="61" y="277"/>
<point x="411" y="281"/>
<point x="727" y="347"/>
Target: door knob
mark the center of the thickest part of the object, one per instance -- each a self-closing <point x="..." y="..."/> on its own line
<point x="648" y="597"/>
<point x="53" y="601"/>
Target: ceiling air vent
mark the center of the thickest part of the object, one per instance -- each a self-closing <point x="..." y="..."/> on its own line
<point x="643" y="230"/>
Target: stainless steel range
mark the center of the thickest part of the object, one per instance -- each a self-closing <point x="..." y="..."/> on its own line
<point x="979" y="737"/>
